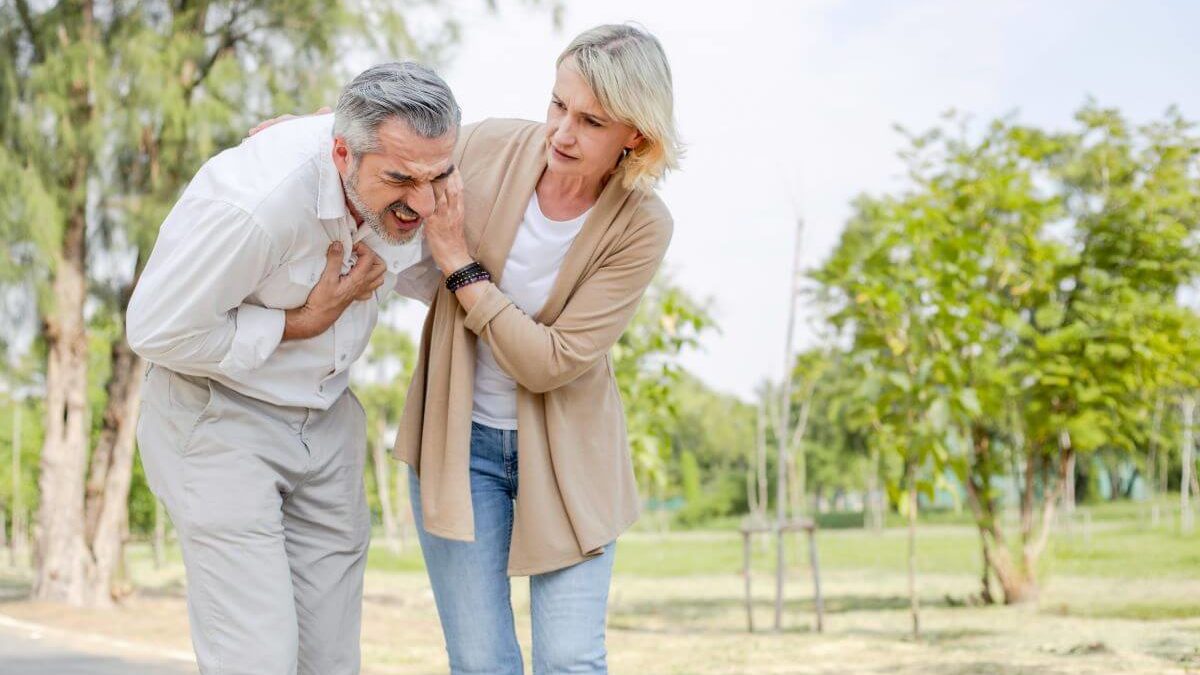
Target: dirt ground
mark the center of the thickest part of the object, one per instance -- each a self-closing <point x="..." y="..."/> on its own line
<point x="697" y="624"/>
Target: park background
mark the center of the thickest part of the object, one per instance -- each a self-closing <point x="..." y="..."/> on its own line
<point x="976" y="222"/>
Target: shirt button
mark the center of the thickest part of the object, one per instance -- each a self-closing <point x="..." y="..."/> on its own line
<point x="321" y="388"/>
<point x="342" y="357"/>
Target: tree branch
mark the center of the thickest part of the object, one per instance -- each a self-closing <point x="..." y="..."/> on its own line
<point x="27" y="22"/>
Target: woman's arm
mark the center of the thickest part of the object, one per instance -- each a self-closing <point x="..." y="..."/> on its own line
<point x="541" y="358"/>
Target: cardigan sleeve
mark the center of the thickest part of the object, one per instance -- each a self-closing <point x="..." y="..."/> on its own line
<point x="544" y="357"/>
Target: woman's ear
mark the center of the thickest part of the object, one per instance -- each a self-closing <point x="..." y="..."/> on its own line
<point x="635" y="141"/>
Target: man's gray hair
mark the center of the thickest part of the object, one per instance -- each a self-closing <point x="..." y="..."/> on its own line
<point x="406" y="90"/>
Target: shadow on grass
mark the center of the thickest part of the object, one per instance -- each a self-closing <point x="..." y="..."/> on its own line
<point x="82" y="664"/>
<point x="979" y="668"/>
<point x="1136" y="611"/>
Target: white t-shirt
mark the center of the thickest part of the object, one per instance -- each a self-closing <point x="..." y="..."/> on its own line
<point x="532" y="266"/>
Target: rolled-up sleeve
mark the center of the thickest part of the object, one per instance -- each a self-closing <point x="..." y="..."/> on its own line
<point x="189" y="311"/>
<point x="544" y="357"/>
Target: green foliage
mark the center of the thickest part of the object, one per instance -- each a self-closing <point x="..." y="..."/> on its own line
<point x="645" y="362"/>
<point x="106" y="112"/>
<point x="1017" y="303"/>
<point x="381" y="384"/>
<point x="30" y="413"/>
<point x="689" y="473"/>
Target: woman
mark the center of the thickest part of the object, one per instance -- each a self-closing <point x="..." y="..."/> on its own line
<point x="513" y="424"/>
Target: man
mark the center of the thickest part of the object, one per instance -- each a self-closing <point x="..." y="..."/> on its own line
<point x="261" y="291"/>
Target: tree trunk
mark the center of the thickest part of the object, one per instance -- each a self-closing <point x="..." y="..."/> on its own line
<point x="1069" y="483"/>
<point x="799" y="456"/>
<point x="761" y="463"/>
<point x="1025" y="585"/>
<point x="108" y="507"/>
<point x="16" y="483"/>
<point x="62" y="563"/>
<point x="985" y="582"/>
<point x="914" y="603"/>
<point x="106" y="501"/>
<point x="1152" y="463"/>
<point x="751" y="492"/>
<point x="61" y="557"/>
<point x="983" y="507"/>
<point x="18" y="549"/>
<point x="116" y="429"/>
<point x="1017" y="585"/>
<point x="1113" y="471"/>
<point x="1014" y="583"/>
<point x="1187" y="409"/>
<point x="873" y="504"/>
<point x="382" y="483"/>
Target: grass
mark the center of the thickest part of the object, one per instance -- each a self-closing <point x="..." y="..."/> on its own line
<point x="698" y="553"/>
<point x="1118" y="544"/>
<point x="1125" y="551"/>
<point x="1137" y="611"/>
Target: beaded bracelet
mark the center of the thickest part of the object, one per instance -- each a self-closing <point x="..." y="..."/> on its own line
<point x="471" y="269"/>
<point x="467" y="275"/>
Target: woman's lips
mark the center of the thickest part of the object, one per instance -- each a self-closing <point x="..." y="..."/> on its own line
<point x="562" y="155"/>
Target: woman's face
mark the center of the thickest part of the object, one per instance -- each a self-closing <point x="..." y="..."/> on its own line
<point x="581" y="138"/>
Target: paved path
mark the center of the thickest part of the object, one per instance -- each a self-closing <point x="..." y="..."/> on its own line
<point x="25" y="651"/>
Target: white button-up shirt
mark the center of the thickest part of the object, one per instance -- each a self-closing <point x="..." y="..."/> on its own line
<point x="248" y="240"/>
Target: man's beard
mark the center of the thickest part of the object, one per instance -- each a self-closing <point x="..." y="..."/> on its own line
<point x="375" y="218"/>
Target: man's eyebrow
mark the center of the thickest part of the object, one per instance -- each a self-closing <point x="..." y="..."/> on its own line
<point x="405" y="178"/>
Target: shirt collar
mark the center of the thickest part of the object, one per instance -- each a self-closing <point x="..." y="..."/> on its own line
<point x="331" y="199"/>
<point x="395" y="256"/>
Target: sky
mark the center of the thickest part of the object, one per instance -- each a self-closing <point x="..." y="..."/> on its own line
<point x="789" y="108"/>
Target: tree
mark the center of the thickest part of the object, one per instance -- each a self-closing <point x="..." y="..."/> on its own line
<point x="645" y="362"/>
<point x="716" y="432"/>
<point x="1016" y="308"/>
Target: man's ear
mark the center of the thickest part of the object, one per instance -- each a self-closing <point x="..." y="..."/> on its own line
<point x="341" y="155"/>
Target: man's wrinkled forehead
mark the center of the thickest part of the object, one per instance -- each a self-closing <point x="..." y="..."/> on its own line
<point x="409" y="157"/>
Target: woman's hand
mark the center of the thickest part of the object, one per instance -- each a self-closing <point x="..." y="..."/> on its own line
<point x="444" y="227"/>
<point x="283" y="118"/>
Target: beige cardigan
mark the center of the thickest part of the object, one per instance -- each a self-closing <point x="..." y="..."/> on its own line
<point x="576" y="485"/>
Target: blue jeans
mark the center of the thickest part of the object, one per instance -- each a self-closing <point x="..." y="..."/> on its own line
<point x="472" y="589"/>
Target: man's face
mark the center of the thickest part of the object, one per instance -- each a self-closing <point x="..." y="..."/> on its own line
<point x="392" y="190"/>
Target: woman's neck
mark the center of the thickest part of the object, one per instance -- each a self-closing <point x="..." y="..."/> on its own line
<point x="567" y="197"/>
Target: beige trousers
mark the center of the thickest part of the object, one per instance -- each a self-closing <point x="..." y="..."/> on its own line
<point x="272" y="519"/>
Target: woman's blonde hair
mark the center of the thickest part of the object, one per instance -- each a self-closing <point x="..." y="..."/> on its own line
<point x="629" y="74"/>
